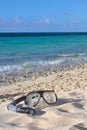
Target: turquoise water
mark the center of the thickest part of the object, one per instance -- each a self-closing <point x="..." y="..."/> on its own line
<point x="25" y="53"/>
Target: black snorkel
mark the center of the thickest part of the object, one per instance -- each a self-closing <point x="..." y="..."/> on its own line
<point x="21" y="109"/>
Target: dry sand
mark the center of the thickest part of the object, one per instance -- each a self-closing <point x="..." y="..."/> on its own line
<point x="69" y="113"/>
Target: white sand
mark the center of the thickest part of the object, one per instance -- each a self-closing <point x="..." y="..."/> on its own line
<point x="69" y="113"/>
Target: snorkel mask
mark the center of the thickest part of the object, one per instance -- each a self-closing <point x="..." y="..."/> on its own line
<point x="32" y="101"/>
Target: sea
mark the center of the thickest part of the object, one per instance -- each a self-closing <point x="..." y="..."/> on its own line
<point x="21" y="52"/>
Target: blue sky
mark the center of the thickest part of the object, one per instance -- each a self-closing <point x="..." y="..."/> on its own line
<point x="43" y="15"/>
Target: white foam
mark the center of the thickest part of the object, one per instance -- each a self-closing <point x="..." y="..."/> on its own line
<point x="72" y="55"/>
<point x="10" y="68"/>
<point x="65" y="59"/>
<point x="45" y="63"/>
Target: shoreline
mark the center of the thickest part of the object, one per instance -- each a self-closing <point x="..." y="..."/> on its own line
<point x="11" y="78"/>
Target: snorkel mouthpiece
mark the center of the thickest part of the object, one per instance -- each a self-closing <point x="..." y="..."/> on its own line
<point x="26" y="110"/>
<point x="12" y="107"/>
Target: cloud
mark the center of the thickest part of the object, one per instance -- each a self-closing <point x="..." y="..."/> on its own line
<point x="68" y="14"/>
<point x="74" y="23"/>
<point x="41" y="21"/>
<point x="17" y="20"/>
<point x="46" y="21"/>
<point x="11" y="21"/>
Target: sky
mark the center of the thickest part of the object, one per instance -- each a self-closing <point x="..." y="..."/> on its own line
<point x="43" y="15"/>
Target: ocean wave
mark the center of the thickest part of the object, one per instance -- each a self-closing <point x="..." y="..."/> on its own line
<point x="62" y="56"/>
<point x="65" y="59"/>
<point x="46" y="63"/>
<point x="6" y="69"/>
<point x="72" y="55"/>
<point x="10" y="68"/>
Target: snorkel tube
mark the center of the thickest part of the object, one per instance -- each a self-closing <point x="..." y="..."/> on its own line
<point x="21" y="109"/>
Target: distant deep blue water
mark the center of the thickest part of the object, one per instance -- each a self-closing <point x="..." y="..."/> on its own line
<point x="29" y="51"/>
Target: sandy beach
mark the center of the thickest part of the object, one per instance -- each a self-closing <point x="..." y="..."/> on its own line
<point x="69" y="113"/>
